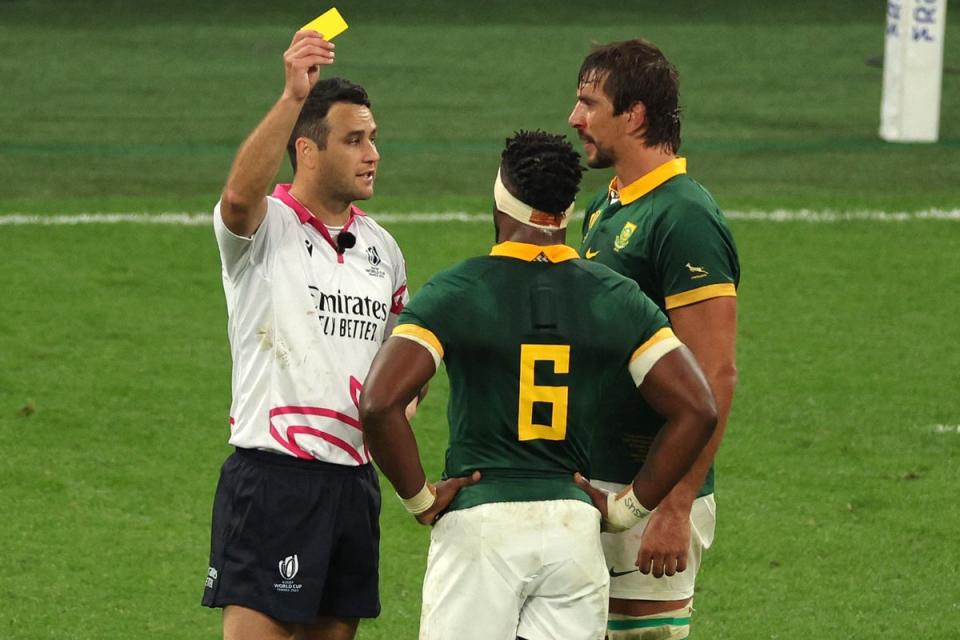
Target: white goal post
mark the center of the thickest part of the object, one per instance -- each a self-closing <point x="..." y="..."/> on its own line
<point x="912" y="70"/>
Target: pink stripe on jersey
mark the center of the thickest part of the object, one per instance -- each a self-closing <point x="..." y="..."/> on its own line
<point x="282" y="193"/>
<point x="318" y="411"/>
<point x="291" y="443"/>
<point x="398" y="300"/>
<point x="293" y="432"/>
<point x="355" y="388"/>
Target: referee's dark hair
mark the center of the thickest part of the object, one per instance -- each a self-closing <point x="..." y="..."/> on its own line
<point x="542" y="169"/>
<point x="637" y="71"/>
<point x="312" y="122"/>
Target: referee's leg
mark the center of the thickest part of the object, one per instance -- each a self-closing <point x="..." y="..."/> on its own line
<point x="241" y="623"/>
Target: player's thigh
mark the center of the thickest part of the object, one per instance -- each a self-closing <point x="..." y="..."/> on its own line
<point x="478" y="564"/>
<point x="327" y="628"/>
<point x="242" y="623"/>
<point x="568" y="599"/>
<point x="621" y="549"/>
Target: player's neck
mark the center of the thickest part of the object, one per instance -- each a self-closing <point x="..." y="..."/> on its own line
<point x="639" y="162"/>
<point x="518" y="232"/>
<point x="331" y="211"/>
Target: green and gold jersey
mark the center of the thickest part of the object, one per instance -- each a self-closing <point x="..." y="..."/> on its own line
<point x="531" y="336"/>
<point x="666" y="233"/>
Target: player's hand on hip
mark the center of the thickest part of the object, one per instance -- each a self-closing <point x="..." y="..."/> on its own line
<point x="308" y="51"/>
<point x="446" y="491"/>
<point x="665" y="543"/>
<point x="598" y="497"/>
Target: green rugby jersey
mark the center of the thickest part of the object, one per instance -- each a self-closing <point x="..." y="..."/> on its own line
<point x="666" y="233"/>
<point x="531" y="336"/>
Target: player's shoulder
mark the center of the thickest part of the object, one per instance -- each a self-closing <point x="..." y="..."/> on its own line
<point x="684" y="194"/>
<point x="463" y="273"/>
<point x="606" y="278"/>
<point x="683" y="202"/>
<point x="366" y="221"/>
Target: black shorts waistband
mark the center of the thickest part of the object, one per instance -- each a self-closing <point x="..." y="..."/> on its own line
<point x="281" y="459"/>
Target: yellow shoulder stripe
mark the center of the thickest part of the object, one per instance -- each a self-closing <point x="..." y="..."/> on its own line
<point x="722" y="290"/>
<point x="663" y="334"/>
<point x="419" y="334"/>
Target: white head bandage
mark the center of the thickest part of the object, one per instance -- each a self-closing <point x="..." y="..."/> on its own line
<point x="521" y="211"/>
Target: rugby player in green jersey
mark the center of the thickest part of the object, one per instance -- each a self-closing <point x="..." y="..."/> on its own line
<point x="532" y="338"/>
<point x="663" y="230"/>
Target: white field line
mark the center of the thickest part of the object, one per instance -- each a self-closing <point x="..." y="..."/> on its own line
<point x="204" y="219"/>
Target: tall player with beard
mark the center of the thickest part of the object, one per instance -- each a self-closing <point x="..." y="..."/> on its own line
<point x="657" y="226"/>
<point x="313" y="286"/>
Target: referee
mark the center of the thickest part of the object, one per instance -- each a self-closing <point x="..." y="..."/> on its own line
<point x="312" y="286"/>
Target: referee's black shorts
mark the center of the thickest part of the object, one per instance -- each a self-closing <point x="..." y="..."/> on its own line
<point x="295" y="539"/>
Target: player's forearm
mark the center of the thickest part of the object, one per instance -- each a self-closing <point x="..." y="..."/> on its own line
<point x="673" y="453"/>
<point x="259" y="158"/>
<point x="681" y="497"/>
<point x="394" y="448"/>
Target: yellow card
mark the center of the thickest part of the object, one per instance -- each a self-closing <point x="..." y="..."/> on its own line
<point x="329" y="25"/>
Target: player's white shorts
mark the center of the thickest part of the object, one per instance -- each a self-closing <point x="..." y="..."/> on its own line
<point x="620" y="550"/>
<point x="506" y="569"/>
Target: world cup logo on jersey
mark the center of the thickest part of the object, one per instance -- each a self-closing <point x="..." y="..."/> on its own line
<point x="373" y="256"/>
<point x="289" y="567"/>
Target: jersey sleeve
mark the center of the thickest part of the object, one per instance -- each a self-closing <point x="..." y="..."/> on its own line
<point x="238" y="253"/>
<point x="422" y="318"/>
<point x="695" y="256"/>
<point x="401" y="295"/>
<point x="655" y="339"/>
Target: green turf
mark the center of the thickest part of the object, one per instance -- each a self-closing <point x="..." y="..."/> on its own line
<point x="835" y="486"/>
<point x="116" y="106"/>
<point x="837" y="518"/>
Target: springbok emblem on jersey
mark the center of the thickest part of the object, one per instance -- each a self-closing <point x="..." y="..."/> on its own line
<point x="696" y="272"/>
<point x="624" y="237"/>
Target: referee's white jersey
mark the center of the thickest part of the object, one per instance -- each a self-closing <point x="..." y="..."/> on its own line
<point x="305" y="322"/>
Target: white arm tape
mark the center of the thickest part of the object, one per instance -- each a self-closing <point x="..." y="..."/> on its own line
<point x="420" y="502"/>
<point x="624" y="511"/>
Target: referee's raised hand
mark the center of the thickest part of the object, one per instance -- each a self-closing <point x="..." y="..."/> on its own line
<point x="302" y="61"/>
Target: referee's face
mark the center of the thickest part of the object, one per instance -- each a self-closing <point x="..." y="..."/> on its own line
<point x="347" y="166"/>
<point x="598" y="128"/>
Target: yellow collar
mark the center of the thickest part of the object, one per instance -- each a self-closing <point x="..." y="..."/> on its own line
<point x="533" y="252"/>
<point x="647" y="183"/>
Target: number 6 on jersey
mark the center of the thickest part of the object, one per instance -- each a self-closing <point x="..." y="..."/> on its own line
<point x="531" y="393"/>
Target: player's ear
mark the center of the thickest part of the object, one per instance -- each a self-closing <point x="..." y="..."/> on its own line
<point x="306" y="153"/>
<point x="636" y="119"/>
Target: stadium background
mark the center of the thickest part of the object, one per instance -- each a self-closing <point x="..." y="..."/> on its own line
<point x="837" y="481"/>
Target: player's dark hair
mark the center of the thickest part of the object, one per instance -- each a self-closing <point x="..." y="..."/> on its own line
<point x="542" y="169"/>
<point x="637" y="71"/>
<point x="312" y="122"/>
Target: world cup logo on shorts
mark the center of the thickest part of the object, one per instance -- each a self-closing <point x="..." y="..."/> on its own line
<point x="289" y="567"/>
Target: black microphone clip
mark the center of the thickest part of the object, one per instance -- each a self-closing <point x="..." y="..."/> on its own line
<point x="345" y="240"/>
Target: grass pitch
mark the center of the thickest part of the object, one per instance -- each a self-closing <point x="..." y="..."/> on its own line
<point x="835" y="484"/>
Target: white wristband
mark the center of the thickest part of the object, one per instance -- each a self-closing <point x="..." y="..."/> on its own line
<point x="420" y="502"/>
<point x="624" y="511"/>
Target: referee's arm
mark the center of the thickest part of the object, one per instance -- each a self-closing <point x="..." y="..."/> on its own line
<point x="243" y="203"/>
